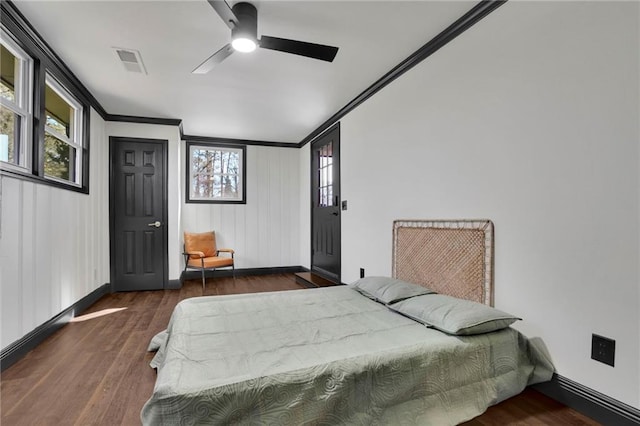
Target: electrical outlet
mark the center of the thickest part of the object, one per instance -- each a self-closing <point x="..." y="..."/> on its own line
<point x="361" y="272"/>
<point x="603" y="349"/>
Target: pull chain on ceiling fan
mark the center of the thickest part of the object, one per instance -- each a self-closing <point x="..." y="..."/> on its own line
<point x="242" y="19"/>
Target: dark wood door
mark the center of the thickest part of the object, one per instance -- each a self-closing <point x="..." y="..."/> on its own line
<point x="138" y="203"/>
<point x="325" y="205"/>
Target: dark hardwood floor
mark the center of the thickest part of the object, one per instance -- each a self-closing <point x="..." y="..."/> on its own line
<point x="95" y="371"/>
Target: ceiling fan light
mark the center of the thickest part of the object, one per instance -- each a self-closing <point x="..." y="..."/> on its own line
<point x="243" y="44"/>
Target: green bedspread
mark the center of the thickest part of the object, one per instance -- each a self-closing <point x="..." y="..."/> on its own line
<point x="327" y="356"/>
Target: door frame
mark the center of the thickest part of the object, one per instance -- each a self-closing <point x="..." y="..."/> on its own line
<point x="333" y="128"/>
<point x="165" y="206"/>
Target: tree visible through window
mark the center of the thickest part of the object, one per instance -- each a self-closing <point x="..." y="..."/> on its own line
<point x="216" y="173"/>
<point x="54" y="149"/>
<point x="63" y="134"/>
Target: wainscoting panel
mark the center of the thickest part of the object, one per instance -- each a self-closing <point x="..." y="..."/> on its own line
<point x="54" y="244"/>
<point x="264" y="232"/>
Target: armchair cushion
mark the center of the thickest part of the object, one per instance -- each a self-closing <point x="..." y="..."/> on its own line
<point x="204" y="242"/>
<point x="211" y="262"/>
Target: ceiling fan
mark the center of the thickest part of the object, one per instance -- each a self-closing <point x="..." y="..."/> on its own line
<point x="242" y="19"/>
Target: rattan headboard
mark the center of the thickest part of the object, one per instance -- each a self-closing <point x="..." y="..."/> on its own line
<point x="453" y="257"/>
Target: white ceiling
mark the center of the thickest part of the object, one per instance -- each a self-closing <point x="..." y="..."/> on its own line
<point x="265" y="95"/>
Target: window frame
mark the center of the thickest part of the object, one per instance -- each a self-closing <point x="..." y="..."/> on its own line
<point x="45" y="63"/>
<point x="215" y="146"/>
<point x="76" y="131"/>
<point x="22" y="104"/>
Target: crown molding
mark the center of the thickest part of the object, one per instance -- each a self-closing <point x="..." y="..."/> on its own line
<point x="231" y="141"/>
<point x="465" y="22"/>
<point x="12" y="17"/>
<point x="144" y="120"/>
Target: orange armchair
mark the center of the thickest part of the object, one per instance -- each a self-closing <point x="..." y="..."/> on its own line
<point x="200" y="252"/>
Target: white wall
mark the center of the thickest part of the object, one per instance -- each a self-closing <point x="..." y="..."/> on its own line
<point x="68" y="232"/>
<point x="54" y="244"/>
<point x="172" y="135"/>
<point x="530" y="119"/>
<point x="305" y="206"/>
<point x="264" y="232"/>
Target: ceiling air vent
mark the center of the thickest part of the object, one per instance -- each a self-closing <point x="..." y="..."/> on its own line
<point x="131" y="60"/>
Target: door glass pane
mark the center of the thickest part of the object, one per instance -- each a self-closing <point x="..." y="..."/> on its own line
<point x="319" y="166"/>
<point x="9" y="135"/>
<point x="325" y="181"/>
<point x="59" y="158"/>
<point x="325" y="175"/>
<point x="328" y="172"/>
<point x="9" y="69"/>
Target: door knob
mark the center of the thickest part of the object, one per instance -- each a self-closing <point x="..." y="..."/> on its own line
<point x="156" y="224"/>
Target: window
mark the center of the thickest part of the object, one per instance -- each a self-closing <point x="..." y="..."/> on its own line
<point x="325" y="176"/>
<point x="216" y="173"/>
<point x="44" y="111"/>
<point x="62" y="134"/>
<point x="16" y="75"/>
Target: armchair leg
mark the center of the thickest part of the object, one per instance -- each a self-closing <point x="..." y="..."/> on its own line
<point x="233" y="270"/>
<point x="202" y="279"/>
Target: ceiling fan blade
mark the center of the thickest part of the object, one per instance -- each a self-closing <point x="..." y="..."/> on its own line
<point x="310" y="50"/>
<point x="222" y="8"/>
<point x="214" y="60"/>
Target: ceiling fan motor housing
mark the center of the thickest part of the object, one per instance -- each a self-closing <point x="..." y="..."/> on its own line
<point x="242" y="19"/>
<point x="247" y="27"/>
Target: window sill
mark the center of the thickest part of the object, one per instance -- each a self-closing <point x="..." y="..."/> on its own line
<point x="43" y="181"/>
<point x="190" y="201"/>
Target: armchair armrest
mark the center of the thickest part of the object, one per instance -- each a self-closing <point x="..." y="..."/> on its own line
<point x="194" y="253"/>
<point x="225" y="250"/>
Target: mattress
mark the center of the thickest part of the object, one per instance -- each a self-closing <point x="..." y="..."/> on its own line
<point x="329" y="356"/>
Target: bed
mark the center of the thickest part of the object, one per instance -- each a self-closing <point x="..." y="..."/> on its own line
<point x="352" y="354"/>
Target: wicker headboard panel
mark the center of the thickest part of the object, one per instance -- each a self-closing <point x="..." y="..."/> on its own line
<point x="453" y="257"/>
